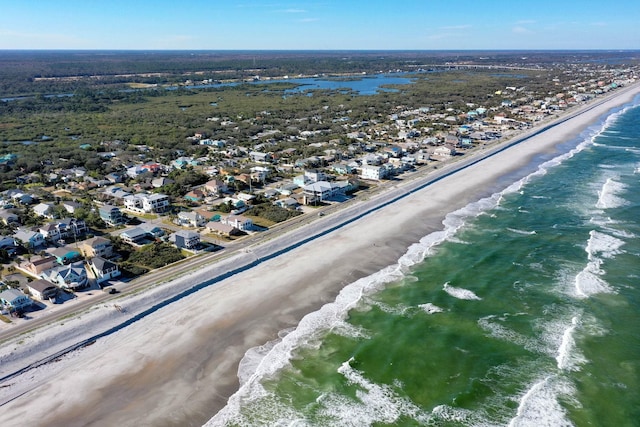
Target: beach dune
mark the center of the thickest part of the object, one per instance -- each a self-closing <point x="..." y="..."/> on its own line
<point x="178" y="366"/>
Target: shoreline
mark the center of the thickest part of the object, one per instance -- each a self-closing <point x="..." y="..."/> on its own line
<point x="147" y="372"/>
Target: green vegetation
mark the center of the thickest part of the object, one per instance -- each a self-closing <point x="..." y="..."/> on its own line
<point x="273" y="213"/>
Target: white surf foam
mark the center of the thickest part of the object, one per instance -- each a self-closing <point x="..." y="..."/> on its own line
<point x="609" y="195"/>
<point x="539" y="405"/>
<point x="496" y="330"/>
<point x="523" y="232"/>
<point x="374" y="403"/>
<point x="589" y="282"/>
<point x="460" y="293"/>
<point x="431" y="308"/>
<point x="566" y="359"/>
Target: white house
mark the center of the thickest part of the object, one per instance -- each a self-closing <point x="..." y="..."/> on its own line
<point x="103" y="269"/>
<point x="44" y="209"/>
<point x="373" y="172"/>
<point x="147" y="203"/>
<point x="238" y="221"/>
<point x="190" y="219"/>
<point x="42" y="289"/>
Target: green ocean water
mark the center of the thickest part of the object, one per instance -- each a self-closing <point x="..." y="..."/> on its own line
<point x="523" y="311"/>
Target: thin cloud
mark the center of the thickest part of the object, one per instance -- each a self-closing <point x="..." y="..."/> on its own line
<point x="521" y="30"/>
<point x="294" y="11"/>
<point x="456" y="27"/>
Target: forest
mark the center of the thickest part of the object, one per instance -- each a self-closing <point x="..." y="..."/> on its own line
<point x="75" y="108"/>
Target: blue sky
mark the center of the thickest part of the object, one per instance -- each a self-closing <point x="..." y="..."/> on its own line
<point x="323" y="24"/>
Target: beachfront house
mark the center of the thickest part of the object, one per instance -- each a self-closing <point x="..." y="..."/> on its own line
<point x="13" y="299"/>
<point x="238" y="221"/>
<point x="185" y="239"/>
<point x="322" y="190"/>
<point x="221" y="229"/>
<point x="103" y="269"/>
<point x="72" y="276"/>
<point x="42" y="289"/>
<point x="372" y="172"/>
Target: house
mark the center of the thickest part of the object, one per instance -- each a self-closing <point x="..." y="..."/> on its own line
<point x="195" y="195"/>
<point x="36" y="266"/>
<point x="44" y="209"/>
<point x="343" y="168"/>
<point x="322" y="190"/>
<point x="135" y="235"/>
<point x="111" y="215"/>
<point x="22" y="198"/>
<point x="261" y="157"/>
<point x="30" y="239"/>
<point x="147" y="203"/>
<point x="215" y="187"/>
<point x="222" y="229"/>
<point x="97" y="247"/>
<point x="71" y="227"/>
<point x="259" y="173"/>
<point x="373" y="172"/>
<point x="287" y="203"/>
<point x="71" y="206"/>
<point x="104" y="269"/>
<point x="65" y="255"/>
<point x="238" y="221"/>
<point x="185" y="239"/>
<point x="50" y="232"/>
<point x="301" y="180"/>
<point x="444" y="152"/>
<point x="42" y="289"/>
<point x="190" y="219"/>
<point x="13" y="299"/>
<point x="161" y="182"/>
<point x="63" y="228"/>
<point x="72" y="276"/>
<point x="183" y="162"/>
<point x="8" y="243"/>
<point x="152" y="229"/>
<point x="8" y="217"/>
<point x="113" y="177"/>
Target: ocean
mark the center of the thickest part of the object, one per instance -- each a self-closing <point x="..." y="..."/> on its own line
<point x="522" y="311"/>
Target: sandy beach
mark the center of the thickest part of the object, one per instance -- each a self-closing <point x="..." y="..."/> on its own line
<point x="178" y="365"/>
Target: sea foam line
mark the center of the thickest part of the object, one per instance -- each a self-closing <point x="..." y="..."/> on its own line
<point x="609" y="195"/>
<point x="539" y="405"/>
<point x="600" y="245"/>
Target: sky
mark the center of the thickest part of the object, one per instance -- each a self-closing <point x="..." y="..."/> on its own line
<point x="319" y="25"/>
